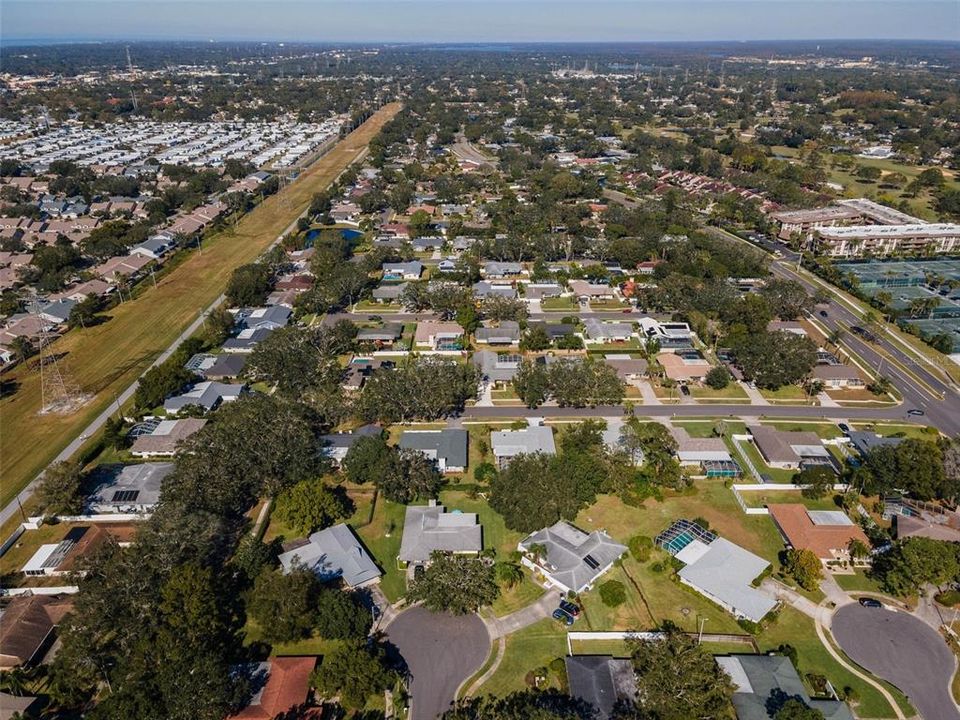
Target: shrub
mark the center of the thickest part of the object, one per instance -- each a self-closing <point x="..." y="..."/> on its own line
<point x="948" y="598"/>
<point x="718" y="378"/>
<point x="640" y="547"/>
<point x="613" y="593"/>
<point x="484" y="472"/>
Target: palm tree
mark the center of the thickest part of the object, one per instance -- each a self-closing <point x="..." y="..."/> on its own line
<point x="538" y="551"/>
<point x="14" y="682"/>
<point x="509" y="574"/>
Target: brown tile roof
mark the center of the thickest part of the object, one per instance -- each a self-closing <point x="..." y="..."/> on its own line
<point x="802" y="533"/>
<point x="287" y="687"/>
<point x="26" y="623"/>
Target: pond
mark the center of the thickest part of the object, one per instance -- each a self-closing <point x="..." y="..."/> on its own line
<point x="346" y="233"/>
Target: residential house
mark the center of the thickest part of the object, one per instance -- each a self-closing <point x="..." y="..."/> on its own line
<point x="127" y="488"/>
<point x="591" y="291"/>
<point x="447" y="447"/>
<point x="58" y="311"/>
<point x="555" y="331"/>
<point x="606" y="332"/>
<point x="628" y="368"/>
<point x="155" y="246"/>
<point x="336" y="445"/>
<point x="826" y="533"/>
<point x="684" y="366"/>
<point x="507" y="444"/>
<point x="601" y="681"/>
<point x="388" y="292"/>
<point x="224" y="367"/>
<point x="403" y="271"/>
<point x="207" y="395"/>
<point x="494" y="269"/>
<point x="837" y="376"/>
<point x="280" y="688"/>
<point x="430" y="528"/>
<point x="718" y="569"/>
<point x="439" y="335"/>
<point x="865" y="442"/>
<point x="334" y="553"/>
<point x="427" y="244"/>
<point x="62" y="558"/>
<point x="127" y="266"/>
<point x="163" y="439"/>
<point x="484" y="289"/>
<point x="669" y="335"/>
<point x="386" y="334"/>
<point x="789" y="450"/>
<point x="506" y="332"/>
<point x="496" y="367"/>
<point x="270" y="317"/>
<point x="571" y="559"/>
<point x="791" y="327"/>
<point x="247" y="339"/>
<point x="697" y="451"/>
<point x="539" y="291"/>
<point x="27" y="628"/>
<point x="762" y="682"/>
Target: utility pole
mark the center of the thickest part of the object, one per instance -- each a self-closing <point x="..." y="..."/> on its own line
<point x="703" y="621"/>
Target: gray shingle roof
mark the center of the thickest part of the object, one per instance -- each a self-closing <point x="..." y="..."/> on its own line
<point x="428" y="528"/>
<point x="574" y="558"/>
<point x="601" y="681"/>
<point x="448" y="445"/>
<point x="496" y="367"/>
<point x="757" y="677"/>
<point x="334" y="552"/>
<point x="507" y="443"/>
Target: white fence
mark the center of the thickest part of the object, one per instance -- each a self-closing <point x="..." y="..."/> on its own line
<point x="98" y="518"/>
<point x="61" y="590"/>
<point x="777" y="487"/>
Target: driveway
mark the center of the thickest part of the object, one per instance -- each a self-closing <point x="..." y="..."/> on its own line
<point x="902" y="650"/>
<point x="441" y="651"/>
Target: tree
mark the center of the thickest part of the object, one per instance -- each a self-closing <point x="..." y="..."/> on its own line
<point x="613" y="593"/>
<point x="249" y="285"/>
<point x="341" y="616"/>
<point x="425" y="388"/>
<point x="794" y="709"/>
<point x="775" y="359"/>
<point x="787" y="299"/>
<point x="913" y="465"/>
<point x="532" y="383"/>
<point x="59" y="492"/>
<point x="804" y="567"/>
<point x="368" y="459"/>
<point x="818" y="479"/>
<point x="84" y="312"/>
<point x="354" y="671"/>
<point x="678" y="679"/>
<point x="162" y="381"/>
<point x="718" y="377"/>
<point x="455" y="584"/>
<point x="285" y="605"/>
<point x="914" y="562"/>
<point x="509" y="574"/>
<point x="858" y="549"/>
<point x="299" y="360"/>
<point x="410" y="476"/>
<point x="310" y="505"/>
<point x="526" y="705"/>
<point x="535" y="339"/>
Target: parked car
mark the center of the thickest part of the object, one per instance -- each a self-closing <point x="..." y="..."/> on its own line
<point x="570" y="608"/>
<point x="627" y="311"/>
<point x="844" y="428"/>
<point x="823" y="313"/>
<point x="418" y="572"/>
<point x="870" y="602"/>
<point x="563" y="617"/>
<point x="684" y="390"/>
<point x="915" y="412"/>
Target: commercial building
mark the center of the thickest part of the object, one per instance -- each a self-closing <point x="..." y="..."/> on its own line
<point x="884" y="240"/>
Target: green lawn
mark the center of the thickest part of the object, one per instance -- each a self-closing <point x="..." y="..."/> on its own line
<point x="495" y="533"/>
<point x="387" y="516"/>
<point x="761" y="498"/>
<point x="529" y="649"/>
<point x="733" y="391"/>
<point x="518" y="597"/>
<point x="746" y="447"/>
<point x="558" y="304"/>
<point x="796" y="629"/>
<point x="786" y="394"/>
<point x="858" y="582"/>
<point x="704" y="428"/>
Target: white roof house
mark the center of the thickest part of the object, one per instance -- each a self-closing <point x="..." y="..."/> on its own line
<point x="724" y="572"/>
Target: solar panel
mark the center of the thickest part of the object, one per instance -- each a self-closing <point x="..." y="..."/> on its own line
<point x="122" y="496"/>
<point x="591" y="562"/>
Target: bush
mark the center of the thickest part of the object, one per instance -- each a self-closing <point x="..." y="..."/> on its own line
<point x="948" y="598"/>
<point x="613" y="593"/>
<point x="640" y="547"/>
<point x="485" y="472"/>
<point x="718" y="378"/>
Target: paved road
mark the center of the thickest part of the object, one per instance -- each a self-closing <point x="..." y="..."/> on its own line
<point x="924" y="387"/>
<point x="902" y="650"/>
<point x="441" y="651"/>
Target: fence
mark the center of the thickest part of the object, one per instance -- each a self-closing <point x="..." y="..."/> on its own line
<point x="61" y="590"/>
<point x="583" y="635"/>
<point x="769" y="487"/>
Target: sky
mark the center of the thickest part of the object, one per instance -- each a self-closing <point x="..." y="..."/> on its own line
<point x="478" y="20"/>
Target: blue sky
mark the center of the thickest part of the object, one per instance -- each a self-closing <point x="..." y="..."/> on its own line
<point x="478" y="20"/>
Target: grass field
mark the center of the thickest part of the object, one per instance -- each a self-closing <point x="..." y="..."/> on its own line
<point x="530" y="648"/>
<point x="105" y="359"/>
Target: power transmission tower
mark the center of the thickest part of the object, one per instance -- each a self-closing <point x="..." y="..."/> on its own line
<point x="133" y="93"/>
<point x="58" y="393"/>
